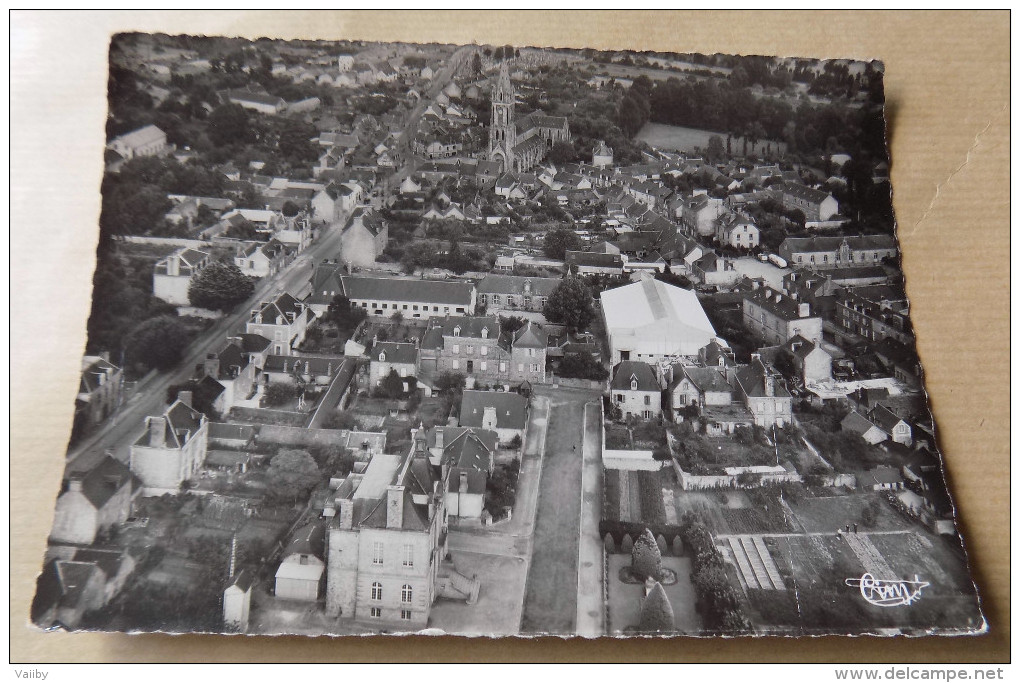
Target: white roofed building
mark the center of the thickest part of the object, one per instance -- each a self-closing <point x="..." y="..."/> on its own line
<point x="650" y="321"/>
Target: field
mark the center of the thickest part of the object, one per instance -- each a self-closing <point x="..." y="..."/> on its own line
<point x="681" y="139"/>
<point x="635" y="496"/>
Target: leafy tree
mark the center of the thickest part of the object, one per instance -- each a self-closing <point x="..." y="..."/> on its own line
<point x="511" y="323"/>
<point x="476" y="64"/>
<point x="157" y="343"/>
<point x="656" y="612"/>
<point x="278" y="394"/>
<point x="449" y="381"/>
<point x="228" y="124"/>
<point x="292" y="473"/>
<point x="341" y="419"/>
<point x="559" y="241"/>
<point x="646" y="560"/>
<point x="392" y="385"/>
<point x="582" y="366"/>
<point x="715" y="148"/>
<point x="344" y="315"/>
<point x="220" y="287"/>
<point x="290" y="209"/>
<point x="562" y="153"/>
<point x="571" y="304"/>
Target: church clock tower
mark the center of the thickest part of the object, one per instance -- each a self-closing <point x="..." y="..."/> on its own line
<point x="502" y="128"/>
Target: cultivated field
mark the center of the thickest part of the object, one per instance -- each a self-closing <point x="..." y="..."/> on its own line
<point x="681" y="139"/>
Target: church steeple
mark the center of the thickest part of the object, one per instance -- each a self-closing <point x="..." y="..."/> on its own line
<point x="502" y="127"/>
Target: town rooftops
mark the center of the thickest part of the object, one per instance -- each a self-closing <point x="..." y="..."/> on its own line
<point x="855" y="423"/>
<point x="804" y="192"/>
<point x="754" y="380"/>
<point x="794" y="245"/>
<point x="705" y="379"/>
<point x="394" y="352"/>
<point x="103" y="481"/>
<point x="140" y="137"/>
<point x="779" y="304"/>
<point x="97" y="370"/>
<point x="279" y="308"/>
<point x="517" y="284"/>
<point x="369" y="219"/>
<point x="407" y="289"/>
<point x="511" y="409"/>
<point x="626" y="372"/>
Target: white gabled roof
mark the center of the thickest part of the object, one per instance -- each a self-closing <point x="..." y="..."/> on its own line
<point x="657" y="309"/>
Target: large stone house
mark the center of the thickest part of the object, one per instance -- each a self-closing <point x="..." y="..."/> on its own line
<point x="837" y="252"/>
<point x="477" y="347"/>
<point x="635" y="390"/>
<point x="711" y="390"/>
<point x="777" y="317"/>
<point x="503" y="412"/>
<point x="817" y="205"/>
<point x="91" y="502"/>
<point x="513" y="292"/>
<point x="172" y="449"/>
<point x="284" y="321"/>
<point x="99" y="390"/>
<point x="363" y="238"/>
<point x="468" y="455"/>
<point x="385" y="357"/>
<point x="761" y="390"/>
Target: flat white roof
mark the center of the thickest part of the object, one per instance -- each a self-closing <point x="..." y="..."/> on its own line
<point x="379" y="475"/>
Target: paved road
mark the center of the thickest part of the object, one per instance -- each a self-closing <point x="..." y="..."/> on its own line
<point x="148" y="398"/>
<point x="591" y="614"/>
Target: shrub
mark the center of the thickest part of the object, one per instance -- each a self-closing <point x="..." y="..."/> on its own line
<point x="646" y="560"/>
<point x="278" y="394"/>
<point x="656" y="612"/>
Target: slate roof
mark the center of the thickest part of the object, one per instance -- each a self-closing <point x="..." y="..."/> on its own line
<point x="470" y="327"/>
<point x="511" y="408"/>
<point x="786" y="308"/>
<point x="530" y="336"/>
<point x="405" y="289"/>
<point x="797" y="245"/>
<point x="104" y="481"/>
<point x="885" y="419"/>
<point x="396" y="352"/>
<point x="254" y="343"/>
<point x="368" y="219"/>
<point x="591" y="259"/>
<point x="855" y="423"/>
<point x="705" y="379"/>
<point x="514" y="284"/>
<point x="751" y="379"/>
<point x="279" y="308"/>
<point x="100" y="367"/>
<point x="880" y="475"/>
<point x="140" y="137"/>
<point x="628" y="370"/>
<point x="804" y="192"/>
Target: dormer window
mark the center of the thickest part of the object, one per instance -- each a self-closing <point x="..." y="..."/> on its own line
<point x="485" y="333"/>
<point x="382" y="356"/>
<point x="633" y="383"/>
<point x="456" y="331"/>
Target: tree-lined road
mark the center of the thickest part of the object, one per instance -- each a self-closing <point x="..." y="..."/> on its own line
<point x="148" y="397"/>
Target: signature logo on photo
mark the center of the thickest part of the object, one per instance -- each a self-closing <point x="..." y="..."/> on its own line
<point x="888" y="593"/>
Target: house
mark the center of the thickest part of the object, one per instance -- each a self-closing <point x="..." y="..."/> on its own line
<point x="813" y="363"/>
<point x="237" y="600"/>
<point x="714" y="270"/>
<point x="591" y="263"/>
<point x="143" y="142"/>
<point x="892" y="424"/>
<point x="875" y="313"/>
<point x="709" y="390"/>
<point x="635" y="390"/>
<point x="412" y="298"/>
<point x="881" y="479"/>
<point x="232" y="367"/>
<point x="386" y="543"/>
<point x="651" y="321"/>
<point x="65" y="592"/>
<point x="699" y="213"/>
<point x="817" y="205"/>
<point x="256" y="346"/>
<point x="172" y="275"/>
<point x="283" y="320"/>
<point x="777" y="317"/>
<point x="172" y="449"/>
<point x="737" y="230"/>
<point x="91" y="502"/>
<point x="503" y="412"/>
<point x="857" y="424"/>
<point x="468" y="455"/>
<point x="263" y="103"/>
<point x="477" y="347"/>
<point x="602" y="155"/>
<point x="838" y="252"/>
<point x="260" y="259"/>
<point x="386" y="357"/>
<point x="363" y="238"/>
<point x="99" y="389"/>
<point x="514" y="292"/>
<point x="302" y="369"/>
<point x="762" y="392"/>
<point x="302" y="571"/>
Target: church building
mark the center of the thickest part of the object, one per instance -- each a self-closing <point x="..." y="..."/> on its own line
<point x="520" y="145"/>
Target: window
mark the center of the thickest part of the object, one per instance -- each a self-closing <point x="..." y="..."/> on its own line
<point x="456" y="348"/>
<point x="377" y="552"/>
<point x="520" y="367"/>
<point x="435" y="309"/>
<point x="406" y="592"/>
<point x="377" y="591"/>
<point x="647" y="414"/>
<point x="455" y="364"/>
<point x="405" y="614"/>
<point x="495" y="299"/>
<point x="405" y="307"/>
<point x="408" y="555"/>
<point x="619" y="398"/>
<point x="648" y="400"/>
<point x="470" y="348"/>
<point x="484" y="350"/>
<point x="376" y="612"/>
<point x="414" y="307"/>
<point x="502" y="367"/>
<point x="403" y="372"/>
<point x="534" y="367"/>
<point x="483" y="366"/>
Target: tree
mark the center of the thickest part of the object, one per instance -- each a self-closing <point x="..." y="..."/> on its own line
<point x="571" y="304"/>
<point x="228" y="124"/>
<point x="290" y="209"/>
<point x="392" y="385"/>
<point x="157" y="342"/>
<point x="582" y="365"/>
<point x="292" y="473"/>
<point x="646" y="559"/>
<point x="656" y="612"/>
<point x="511" y="323"/>
<point x="559" y="241"/>
<point x="342" y="314"/>
<point x="448" y="381"/>
<point x="476" y="64"/>
<point x="220" y="287"/>
<point x="279" y="393"/>
<point x="715" y="148"/>
<point x="562" y="153"/>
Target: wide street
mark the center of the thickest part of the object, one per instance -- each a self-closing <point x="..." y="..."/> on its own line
<point x="148" y="397"/>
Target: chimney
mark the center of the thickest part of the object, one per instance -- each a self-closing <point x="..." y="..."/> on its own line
<point x="804" y="310"/>
<point x="74" y="483"/>
<point x="770" y="384"/>
<point x="186" y="397"/>
<point x="489" y="417"/>
<point x="346" y="516"/>
<point x="157" y="432"/>
<point x="439" y="438"/>
<point x="394" y="507"/>
<point x="212" y="365"/>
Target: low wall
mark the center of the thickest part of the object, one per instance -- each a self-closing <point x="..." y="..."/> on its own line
<point x="578" y="383"/>
<point x="302" y="436"/>
<point x="695" y="482"/>
<point x="267" y="416"/>
<point x="631" y="461"/>
<point x="167" y="241"/>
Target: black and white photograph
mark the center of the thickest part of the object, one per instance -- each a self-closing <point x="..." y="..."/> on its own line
<point x="499" y="340"/>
